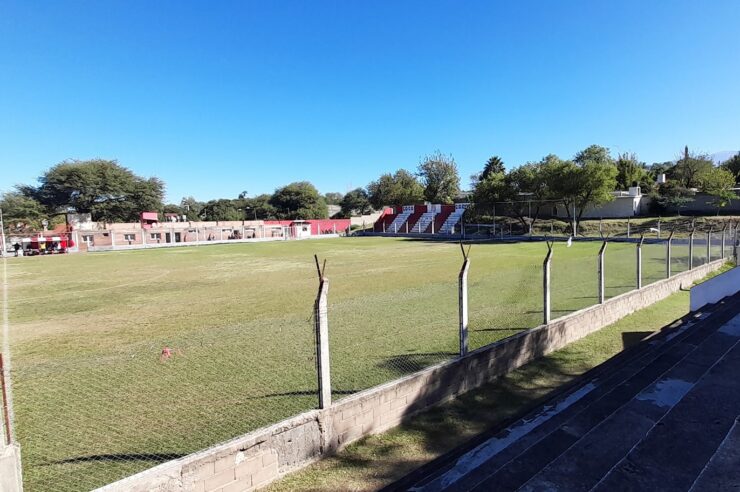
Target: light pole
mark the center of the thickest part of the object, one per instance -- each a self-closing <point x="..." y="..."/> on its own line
<point x="253" y="209"/>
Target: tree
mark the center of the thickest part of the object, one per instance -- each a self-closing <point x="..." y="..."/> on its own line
<point x="719" y="183"/>
<point x="21" y="213"/>
<point x="593" y="153"/>
<point x="354" y="202"/>
<point x="221" y="209"/>
<point x="260" y="208"/>
<point x="333" y="198"/>
<point x="690" y="167"/>
<point x="527" y="190"/>
<point x="439" y="176"/>
<point x="300" y="200"/>
<point x="733" y="165"/>
<point x="587" y="181"/>
<point x="630" y="171"/>
<point x="103" y="188"/>
<point x="486" y="193"/>
<point x="400" y="188"/>
<point x="670" y="195"/>
<point x="192" y="207"/>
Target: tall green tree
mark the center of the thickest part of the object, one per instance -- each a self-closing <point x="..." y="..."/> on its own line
<point x="595" y="154"/>
<point x="399" y="188"/>
<point x="357" y="202"/>
<point x="719" y="183"/>
<point x="192" y="207"/>
<point x="333" y="198"/>
<point x="21" y="213"/>
<point x="690" y="167"/>
<point x="300" y="200"/>
<point x="587" y="181"/>
<point x="222" y="209"/>
<point x="439" y="176"/>
<point x="733" y="165"/>
<point x="103" y="188"/>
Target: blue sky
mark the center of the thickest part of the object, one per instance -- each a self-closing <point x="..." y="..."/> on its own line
<point x="220" y="97"/>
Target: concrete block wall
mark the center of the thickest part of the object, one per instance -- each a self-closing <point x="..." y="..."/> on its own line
<point x="255" y="459"/>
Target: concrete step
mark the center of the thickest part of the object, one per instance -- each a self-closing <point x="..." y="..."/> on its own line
<point x="595" y="453"/>
<point x="681" y="444"/>
<point x="510" y="458"/>
<point x="722" y="472"/>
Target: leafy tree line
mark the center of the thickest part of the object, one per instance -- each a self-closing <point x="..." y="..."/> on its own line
<point x="112" y="193"/>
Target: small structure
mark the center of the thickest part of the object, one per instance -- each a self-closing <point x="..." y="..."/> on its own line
<point x="149" y="219"/>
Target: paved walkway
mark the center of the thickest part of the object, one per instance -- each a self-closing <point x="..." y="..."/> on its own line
<point x="664" y="418"/>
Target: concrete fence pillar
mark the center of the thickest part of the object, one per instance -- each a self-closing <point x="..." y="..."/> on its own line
<point x="668" y="255"/>
<point x="709" y="245"/>
<point x="691" y="250"/>
<point x="602" y="273"/>
<point x="724" y="229"/>
<point x="629" y="224"/>
<point x="321" y="325"/>
<point x="639" y="263"/>
<point x="546" y="306"/>
<point x="462" y="291"/>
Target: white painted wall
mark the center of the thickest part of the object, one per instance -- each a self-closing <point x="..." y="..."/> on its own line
<point x="714" y="289"/>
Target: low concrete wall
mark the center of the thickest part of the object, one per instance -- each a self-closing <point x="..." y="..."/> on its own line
<point x="10" y="468"/>
<point x="714" y="289"/>
<point x="255" y="459"/>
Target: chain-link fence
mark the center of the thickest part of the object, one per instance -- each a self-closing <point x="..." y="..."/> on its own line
<point x="388" y="321"/>
<point x="504" y="299"/>
<point x="145" y="369"/>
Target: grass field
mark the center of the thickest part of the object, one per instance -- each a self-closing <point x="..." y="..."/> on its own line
<point x="94" y="402"/>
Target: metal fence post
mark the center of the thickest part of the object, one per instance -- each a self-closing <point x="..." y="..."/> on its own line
<point x="463" y="300"/>
<point x="321" y="324"/>
<point x="546" y="307"/>
<point x="601" y="272"/>
<point x="709" y="245"/>
<point x="668" y="251"/>
<point x="691" y="248"/>
<point x="639" y="262"/>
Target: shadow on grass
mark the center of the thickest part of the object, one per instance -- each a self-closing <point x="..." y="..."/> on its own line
<point x="632" y="338"/>
<point x="123" y="457"/>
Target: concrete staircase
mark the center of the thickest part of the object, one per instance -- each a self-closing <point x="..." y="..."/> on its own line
<point x="423" y="222"/>
<point x="660" y="416"/>
<point x="452" y="220"/>
<point x="399" y="221"/>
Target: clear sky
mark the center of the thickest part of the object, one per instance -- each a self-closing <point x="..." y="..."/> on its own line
<point x="220" y="97"/>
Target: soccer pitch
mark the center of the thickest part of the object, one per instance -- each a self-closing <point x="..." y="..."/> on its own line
<point x="95" y="401"/>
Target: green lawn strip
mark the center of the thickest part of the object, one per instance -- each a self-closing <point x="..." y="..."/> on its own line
<point x="376" y="461"/>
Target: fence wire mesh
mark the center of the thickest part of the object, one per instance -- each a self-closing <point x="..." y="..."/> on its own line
<point x="620" y="273"/>
<point x="653" y="261"/>
<point x="170" y="351"/>
<point x="504" y="297"/>
<point x="102" y="393"/>
<point x="574" y="277"/>
<point x="389" y="320"/>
